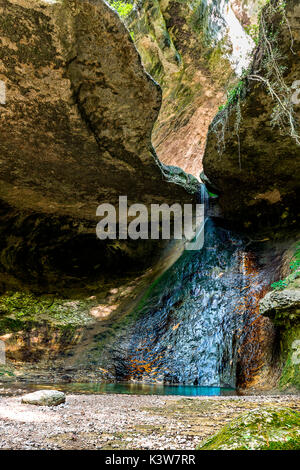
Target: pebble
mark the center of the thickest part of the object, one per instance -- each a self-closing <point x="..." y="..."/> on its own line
<point x="118" y="421"/>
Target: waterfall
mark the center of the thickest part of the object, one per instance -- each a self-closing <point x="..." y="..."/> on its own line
<point x="191" y="326"/>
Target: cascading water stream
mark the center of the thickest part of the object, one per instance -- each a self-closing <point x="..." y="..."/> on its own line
<point x="195" y="319"/>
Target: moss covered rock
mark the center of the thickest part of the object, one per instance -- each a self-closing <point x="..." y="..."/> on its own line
<point x="267" y="428"/>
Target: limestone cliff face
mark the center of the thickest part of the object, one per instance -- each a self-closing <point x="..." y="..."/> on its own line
<point x="75" y="132"/>
<point x="76" y="126"/>
<point x="253" y="149"/>
<point x="194" y="50"/>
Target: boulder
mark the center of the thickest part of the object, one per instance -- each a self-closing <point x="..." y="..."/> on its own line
<point x="265" y="428"/>
<point x="281" y="304"/>
<point x="44" y="398"/>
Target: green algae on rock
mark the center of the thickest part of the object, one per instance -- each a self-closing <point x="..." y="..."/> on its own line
<point x="183" y="50"/>
<point x="283" y="308"/>
<point x="266" y="428"/>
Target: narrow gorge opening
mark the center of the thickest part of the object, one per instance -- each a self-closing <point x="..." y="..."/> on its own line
<point x="197" y="53"/>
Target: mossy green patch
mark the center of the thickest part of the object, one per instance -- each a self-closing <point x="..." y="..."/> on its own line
<point x="219" y="65"/>
<point x="290" y="376"/>
<point x="19" y="310"/>
<point x="292" y="278"/>
<point x="6" y="371"/>
<point x="260" y="429"/>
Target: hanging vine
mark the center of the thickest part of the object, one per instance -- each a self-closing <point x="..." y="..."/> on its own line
<point x="283" y="114"/>
<point x="270" y="74"/>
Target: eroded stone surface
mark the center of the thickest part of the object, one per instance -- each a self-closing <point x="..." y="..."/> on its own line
<point x="44" y="398"/>
<point x="81" y="109"/>
<point x="285" y="301"/>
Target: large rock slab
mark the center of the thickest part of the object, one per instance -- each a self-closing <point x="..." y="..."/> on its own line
<point x="81" y="108"/>
<point x="44" y="398"/>
<point x="277" y="304"/>
<point x="75" y="132"/>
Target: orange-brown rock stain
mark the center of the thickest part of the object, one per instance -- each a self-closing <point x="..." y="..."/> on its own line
<point x="255" y="333"/>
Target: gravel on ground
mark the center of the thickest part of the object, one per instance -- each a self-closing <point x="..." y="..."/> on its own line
<point x="112" y="422"/>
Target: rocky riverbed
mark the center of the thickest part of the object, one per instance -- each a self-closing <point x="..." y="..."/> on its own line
<point x="112" y="422"/>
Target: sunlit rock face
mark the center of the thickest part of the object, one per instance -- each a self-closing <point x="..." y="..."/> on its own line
<point x="253" y="147"/>
<point x="75" y="132"/>
<point x="194" y="49"/>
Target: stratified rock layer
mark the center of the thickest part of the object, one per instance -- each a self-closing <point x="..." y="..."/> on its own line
<point x="277" y="304"/>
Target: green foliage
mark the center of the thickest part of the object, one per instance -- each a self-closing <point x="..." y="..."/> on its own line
<point x="122" y="8"/>
<point x="279" y="285"/>
<point x="253" y="31"/>
<point x="233" y="94"/>
<point x="212" y="194"/>
<point x="6" y="371"/>
<point x="295" y="272"/>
